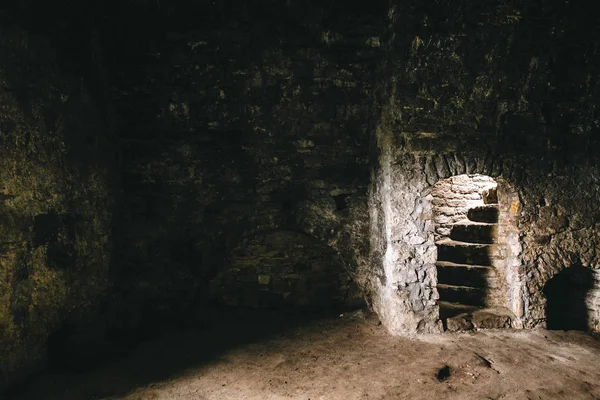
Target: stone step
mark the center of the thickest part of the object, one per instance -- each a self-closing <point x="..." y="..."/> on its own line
<point x="487" y="213"/>
<point x="466" y="253"/>
<point x="466" y="275"/>
<point x="474" y="232"/>
<point x="479" y="318"/>
<point x="449" y="310"/>
<point x="462" y="294"/>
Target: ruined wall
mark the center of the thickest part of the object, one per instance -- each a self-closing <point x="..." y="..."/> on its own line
<point x="55" y="201"/>
<point x="503" y="89"/>
<point x="239" y="119"/>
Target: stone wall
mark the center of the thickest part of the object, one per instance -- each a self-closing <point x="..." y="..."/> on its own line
<point x="244" y="119"/>
<point x="311" y="129"/>
<point x="453" y="197"/>
<point x="286" y="269"/>
<point x="593" y="303"/>
<point x="56" y="201"/>
<point x="485" y="89"/>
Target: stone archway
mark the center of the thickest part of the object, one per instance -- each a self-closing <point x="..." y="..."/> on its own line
<point x="405" y="293"/>
<point x="477" y="251"/>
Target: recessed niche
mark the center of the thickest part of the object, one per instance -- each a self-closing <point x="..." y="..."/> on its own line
<point x="567" y="299"/>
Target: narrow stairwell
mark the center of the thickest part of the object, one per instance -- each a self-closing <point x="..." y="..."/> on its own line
<point x="466" y="272"/>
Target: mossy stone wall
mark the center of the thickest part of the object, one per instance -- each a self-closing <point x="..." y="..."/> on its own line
<point x="56" y="202"/>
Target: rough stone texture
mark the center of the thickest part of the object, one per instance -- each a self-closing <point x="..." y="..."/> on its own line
<point x="546" y="235"/>
<point x="232" y="128"/>
<point x="286" y="269"/>
<point x="461" y="322"/>
<point x="453" y="197"/>
<point x="475" y="92"/>
<point x="327" y="119"/>
<point x="55" y="202"/>
<point x="491" y="319"/>
<point x="462" y="197"/>
<point x="488" y="318"/>
<point x="593" y="304"/>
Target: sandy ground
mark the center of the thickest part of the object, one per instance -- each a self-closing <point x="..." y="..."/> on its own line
<point x="338" y="358"/>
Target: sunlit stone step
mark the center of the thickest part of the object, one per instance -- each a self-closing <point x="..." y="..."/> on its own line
<point x="478" y="318"/>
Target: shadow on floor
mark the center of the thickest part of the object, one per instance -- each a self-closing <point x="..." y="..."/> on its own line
<point x="161" y="358"/>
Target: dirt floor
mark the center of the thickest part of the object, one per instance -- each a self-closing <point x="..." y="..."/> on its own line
<point x="347" y="357"/>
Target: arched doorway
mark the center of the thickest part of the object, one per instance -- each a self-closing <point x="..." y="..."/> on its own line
<point x="474" y="232"/>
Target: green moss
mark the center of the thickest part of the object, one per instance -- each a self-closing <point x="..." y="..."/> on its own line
<point x="45" y="168"/>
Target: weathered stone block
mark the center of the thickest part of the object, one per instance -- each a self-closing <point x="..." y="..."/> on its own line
<point x="459" y="323"/>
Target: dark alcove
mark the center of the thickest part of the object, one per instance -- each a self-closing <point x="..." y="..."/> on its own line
<point x="566" y="295"/>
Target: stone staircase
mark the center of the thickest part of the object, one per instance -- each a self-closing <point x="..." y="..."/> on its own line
<point x="466" y="272"/>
